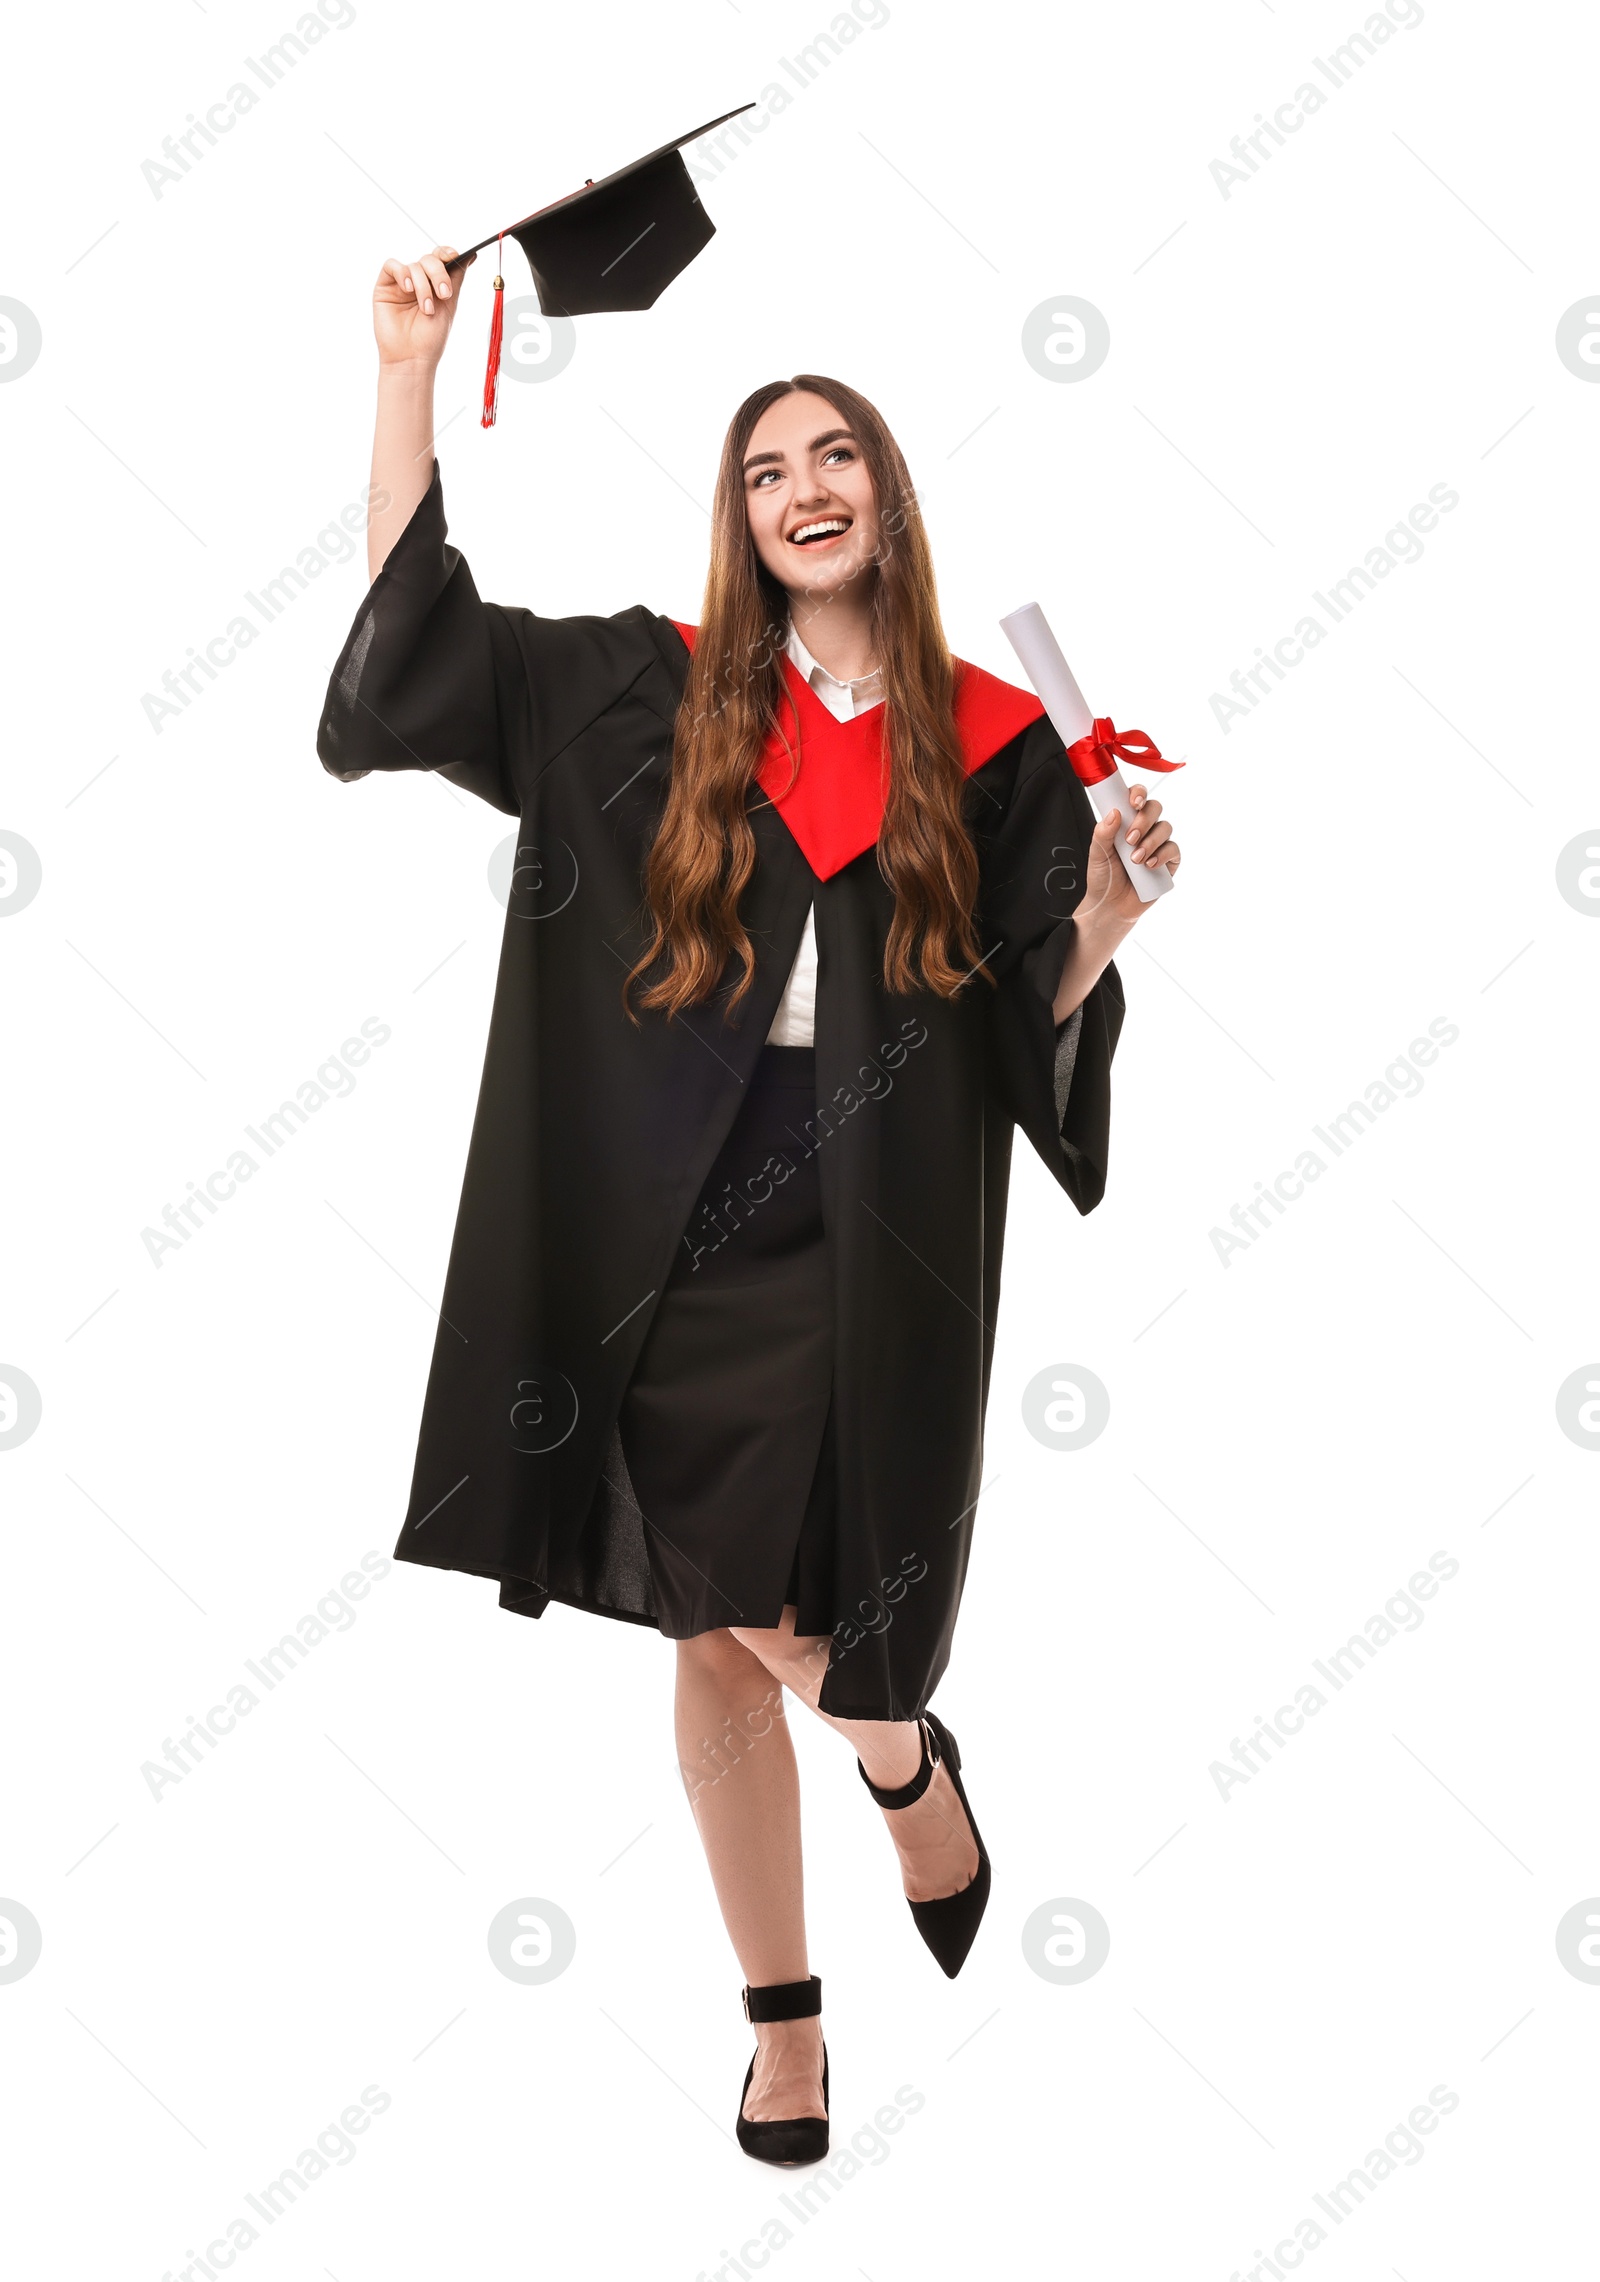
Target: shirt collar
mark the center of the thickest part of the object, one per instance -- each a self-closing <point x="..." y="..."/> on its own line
<point x="808" y="667"/>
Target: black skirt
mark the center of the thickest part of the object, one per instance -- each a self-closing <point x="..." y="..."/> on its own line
<point x="725" y="1425"/>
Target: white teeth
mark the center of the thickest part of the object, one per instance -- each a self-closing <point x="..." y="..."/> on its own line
<point x="817" y="530"/>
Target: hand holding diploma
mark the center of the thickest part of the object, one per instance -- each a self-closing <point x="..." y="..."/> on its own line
<point x="1132" y="855"/>
<point x="1129" y="818"/>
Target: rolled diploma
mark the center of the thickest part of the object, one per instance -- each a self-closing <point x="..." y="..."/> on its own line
<point x="1028" y="631"/>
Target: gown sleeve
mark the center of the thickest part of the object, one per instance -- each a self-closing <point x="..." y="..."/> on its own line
<point x="1055" y="1078"/>
<point x="431" y="677"/>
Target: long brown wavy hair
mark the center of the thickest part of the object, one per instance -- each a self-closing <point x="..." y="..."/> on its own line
<point x="704" y="850"/>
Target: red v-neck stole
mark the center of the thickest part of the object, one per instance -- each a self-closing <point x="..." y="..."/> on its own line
<point x="834" y="804"/>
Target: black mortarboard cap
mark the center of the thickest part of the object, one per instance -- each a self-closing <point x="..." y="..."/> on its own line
<point x="614" y="244"/>
<point x="617" y="243"/>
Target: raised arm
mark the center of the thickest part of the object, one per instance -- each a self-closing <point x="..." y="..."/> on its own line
<point x="413" y="306"/>
<point x="431" y="676"/>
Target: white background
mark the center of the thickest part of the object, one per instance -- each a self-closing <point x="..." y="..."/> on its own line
<point x="1292" y="1969"/>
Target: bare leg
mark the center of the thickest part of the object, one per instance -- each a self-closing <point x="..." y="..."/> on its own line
<point x="738" y="1767"/>
<point x="933" y="1838"/>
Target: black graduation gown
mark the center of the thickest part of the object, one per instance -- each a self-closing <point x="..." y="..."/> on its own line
<point x="593" y="1136"/>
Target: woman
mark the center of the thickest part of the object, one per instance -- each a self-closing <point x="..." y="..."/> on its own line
<point x="807" y="917"/>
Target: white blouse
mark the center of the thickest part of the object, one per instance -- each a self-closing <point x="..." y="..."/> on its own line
<point x="794" y="1024"/>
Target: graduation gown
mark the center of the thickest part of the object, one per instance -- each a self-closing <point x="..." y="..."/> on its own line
<point x="594" y="1135"/>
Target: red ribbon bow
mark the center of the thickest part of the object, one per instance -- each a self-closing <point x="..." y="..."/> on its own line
<point x="1096" y="756"/>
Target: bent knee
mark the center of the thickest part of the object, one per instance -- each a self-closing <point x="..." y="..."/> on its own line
<point x="798" y="1660"/>
<point x="719" y="1651"/>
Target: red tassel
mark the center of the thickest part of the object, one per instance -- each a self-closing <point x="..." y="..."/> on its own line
<point x="491" y="378"/>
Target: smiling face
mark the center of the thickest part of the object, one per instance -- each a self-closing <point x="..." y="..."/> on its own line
<point x="812" y="512"/>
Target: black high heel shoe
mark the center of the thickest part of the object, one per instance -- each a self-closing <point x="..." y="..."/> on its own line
<point x="949" y="1924"/>
<point x="786" y="2139"/>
